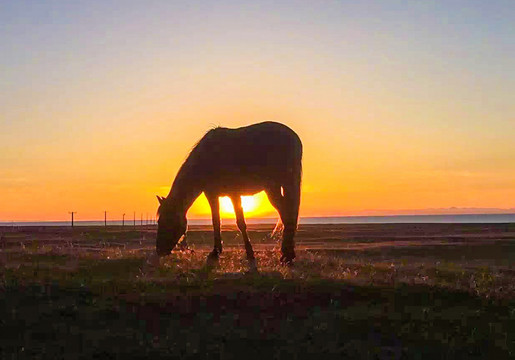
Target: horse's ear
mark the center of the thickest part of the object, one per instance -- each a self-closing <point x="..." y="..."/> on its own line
<point x="160" y="199"/>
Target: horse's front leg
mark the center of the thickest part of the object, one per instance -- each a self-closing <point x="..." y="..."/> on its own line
<point x="215" y="214"/>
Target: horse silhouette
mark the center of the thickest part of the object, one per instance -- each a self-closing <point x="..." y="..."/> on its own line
<point x="235" y="162"/>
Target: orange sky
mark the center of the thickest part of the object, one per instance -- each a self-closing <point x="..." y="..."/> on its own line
<point x="397" y="109"/>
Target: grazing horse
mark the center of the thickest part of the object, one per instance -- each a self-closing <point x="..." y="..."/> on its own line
<point x="236" y="162"/>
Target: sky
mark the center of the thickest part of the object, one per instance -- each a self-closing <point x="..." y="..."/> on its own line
<point x="402" y="106"/>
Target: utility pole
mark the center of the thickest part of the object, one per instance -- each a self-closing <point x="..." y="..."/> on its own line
<point x="72" y="212"/>
<point x="141" y="219"/>
<point x="146" y="221"/>
<point x="123" y="220"/>
<point x="134" y="223"/>
<point x="105" y="218"/>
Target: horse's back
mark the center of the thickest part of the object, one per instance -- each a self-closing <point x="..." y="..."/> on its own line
<point x="261" y="135"/>
<point x="267" y="143"/>
<point x="263" y="150"/>
<point x="269" y="129"/>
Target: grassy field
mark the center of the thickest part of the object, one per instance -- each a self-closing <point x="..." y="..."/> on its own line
<point x="414" y="291"/>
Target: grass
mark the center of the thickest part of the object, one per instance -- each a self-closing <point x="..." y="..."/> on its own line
<point x="89" y="293"/>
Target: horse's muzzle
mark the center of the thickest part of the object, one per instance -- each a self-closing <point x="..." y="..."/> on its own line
<point x="164" y="247"/>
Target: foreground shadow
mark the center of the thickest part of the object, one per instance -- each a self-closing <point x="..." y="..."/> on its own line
<point x="275" y="317"/>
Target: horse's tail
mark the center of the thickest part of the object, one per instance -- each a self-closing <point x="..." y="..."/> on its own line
<point x="296" y="188"/>
<point x="278" y="230"/>
<point x="293" y="194"/>
<point x="292" y="189"/>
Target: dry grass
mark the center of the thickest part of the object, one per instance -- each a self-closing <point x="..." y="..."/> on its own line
<point x="105" y="261"/>
<point x="364" y="292"/>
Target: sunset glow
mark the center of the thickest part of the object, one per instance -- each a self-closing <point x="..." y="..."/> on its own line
<point x="253" y="206"/>
<point x="248" y="203"/>
<point x="402" y="110"/>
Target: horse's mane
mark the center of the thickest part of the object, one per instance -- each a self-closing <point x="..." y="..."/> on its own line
<point x="190" y="156"/>
<point x="199" y="141"/>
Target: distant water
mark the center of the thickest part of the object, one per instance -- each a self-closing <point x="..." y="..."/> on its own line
<point x="397" y="219"/>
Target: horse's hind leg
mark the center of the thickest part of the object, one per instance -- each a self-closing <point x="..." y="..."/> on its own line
<point x="289" y="215"/>
<point x="240" y="221"/>
<point x="286" y="203"/>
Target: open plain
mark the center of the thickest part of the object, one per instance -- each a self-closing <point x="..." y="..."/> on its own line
<point x="375" y="291"/>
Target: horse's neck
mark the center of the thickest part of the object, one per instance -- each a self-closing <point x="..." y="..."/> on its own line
<point x="184" y="190"/>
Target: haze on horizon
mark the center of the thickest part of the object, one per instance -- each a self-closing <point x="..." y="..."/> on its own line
<point x="400" y="105"/>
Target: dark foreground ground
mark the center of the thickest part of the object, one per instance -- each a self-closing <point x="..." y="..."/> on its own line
<point x="414" y="291"/>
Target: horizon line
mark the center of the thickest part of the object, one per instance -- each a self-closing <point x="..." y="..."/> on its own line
<point x="152" y="221"/>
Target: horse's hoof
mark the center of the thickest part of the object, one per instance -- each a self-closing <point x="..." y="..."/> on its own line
<point x="252" y="266"/>
<point x="212" y="260"/>
<point x="211" y="263"/>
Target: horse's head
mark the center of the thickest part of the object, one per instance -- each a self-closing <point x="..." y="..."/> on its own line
<point x="171" y="226"/>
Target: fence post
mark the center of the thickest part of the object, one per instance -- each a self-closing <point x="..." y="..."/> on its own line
<point x="72" y="212"/>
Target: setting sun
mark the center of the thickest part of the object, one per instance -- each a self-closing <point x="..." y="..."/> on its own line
<point x="253" y="206"/>
<point x="248" y="203"/>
